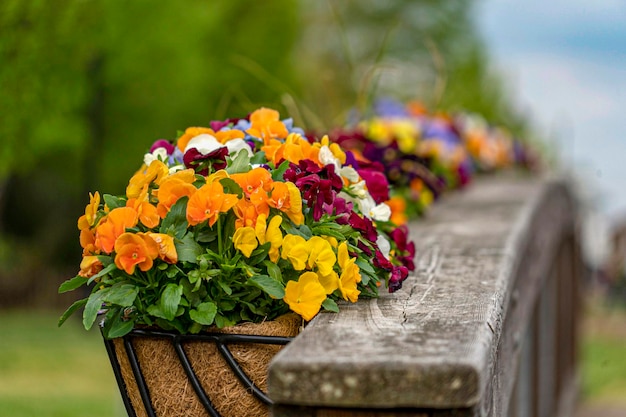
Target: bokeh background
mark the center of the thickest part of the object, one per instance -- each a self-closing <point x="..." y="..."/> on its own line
<point x="87" y="85"/>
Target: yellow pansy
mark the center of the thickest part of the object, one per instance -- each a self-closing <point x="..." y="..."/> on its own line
<point x="294" y="249"/>
<point x="270" y="233"/>
<point x="305" y="296"/>
<point x="332" y="240"/>
<point x="378" y="131"/>
<point x="350" y="274"/>
<point x="321" y="255"/>
<point x="217" y="176"/>
<point x="329" y="282"/>
<point x="244" y="240"/>
<point x="407" y="135"/>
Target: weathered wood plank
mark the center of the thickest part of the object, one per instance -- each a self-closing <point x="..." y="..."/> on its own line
<point x="439" y="342"/>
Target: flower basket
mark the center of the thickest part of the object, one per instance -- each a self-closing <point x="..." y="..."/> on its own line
<point x="221" y="231"/>
<point x="218" y="373"/>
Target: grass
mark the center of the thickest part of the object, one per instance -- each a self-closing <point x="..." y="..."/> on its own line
<point x="603" y="354"/>
<point x="54" y="372"/>
<point x="50" y="372"/>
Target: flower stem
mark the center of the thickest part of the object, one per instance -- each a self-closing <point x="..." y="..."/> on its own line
<point x="220" y="247"/>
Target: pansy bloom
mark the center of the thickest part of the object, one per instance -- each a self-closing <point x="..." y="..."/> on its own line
<point x="424" y="154"/>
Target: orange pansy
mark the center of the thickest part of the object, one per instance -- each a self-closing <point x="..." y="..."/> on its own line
<point x="167" y="249"/>
<point x="294" y="149"/>
<point x="190" y="133"/>
<point x="89" y="218"/>
<point x="246" y="213"/>
<point x="265" y="124"/>
<point x="135" y="250"/>
<point x="208" y="202"/>
<point x="113" y="225"/>
<point x="171" y="190"/>
<point x="145" y="176"/>
<point x="90" y="266"/>
<point x="88" y="242"/>
<point x="286" y="197"/>
<point x="224" y="136"/>
<point x="148" y="214"/>
<point x="254" y="179"/>
<point x="259" y="199"/>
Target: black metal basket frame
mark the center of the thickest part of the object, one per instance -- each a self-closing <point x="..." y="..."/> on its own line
<point x="221" y="341"/>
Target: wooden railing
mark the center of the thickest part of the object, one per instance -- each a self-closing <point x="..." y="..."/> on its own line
<point x="485" y="327"/>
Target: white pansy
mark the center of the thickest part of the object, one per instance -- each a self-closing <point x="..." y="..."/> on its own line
<point x="326" y="157"/>
<point x="347" y="197"/>
<point x="361" y="198"/>
<point x="236" y="145"/>
<point x="359" y="189"/>
<point x="381" y="212"/>
<point x="158" y="154"/>
<point x="366" y="204"/>
<point x="384" y="245"/>
<point x="204" y="144"/>
<point x="349" y="173"/>
<point x="176" y="168"/>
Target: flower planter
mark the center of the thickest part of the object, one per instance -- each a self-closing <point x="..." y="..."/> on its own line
<point x="222" y="373"/>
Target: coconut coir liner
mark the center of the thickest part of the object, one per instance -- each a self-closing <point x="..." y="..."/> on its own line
<point x="170" y="390"/>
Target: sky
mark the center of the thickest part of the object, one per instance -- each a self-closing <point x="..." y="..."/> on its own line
<point x="565" y="64"/>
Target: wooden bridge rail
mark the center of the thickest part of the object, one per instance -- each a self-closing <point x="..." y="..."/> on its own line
<point x="486" y="326"/>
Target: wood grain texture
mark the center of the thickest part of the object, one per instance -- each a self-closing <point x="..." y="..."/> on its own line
<point x="439" y="342"/>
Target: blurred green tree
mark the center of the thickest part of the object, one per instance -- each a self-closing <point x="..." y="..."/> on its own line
<point x="89" y="85"/>
<point x="427" y="50"/>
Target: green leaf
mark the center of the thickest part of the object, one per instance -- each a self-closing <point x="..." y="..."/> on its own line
<point x="77" y="304"/>
<point x="155" y="311"/>
<point x="188" y="249"/>
<point x="330" y="305"/>
<point x="72" y="284"/>
<point x="108" y="269"/>
<point x="221" y="321"/>
<point x="273" y="271"/>
<point x="170" y="298"/>
<point x="259" y="254"/>
<point x="175" y="222"/>
<point x="365" y="266"/>
<point x="302" y="230"/>
<point x="204" y="313"/>
<point x="115" y="325"/>
<point x="120" y="328"/>
<point x="278" y="173"/>
<point x="112" y="201"/>
<point x="258" y="158"/>
<point x="122" y="294"/>
<point x="206" y="235"/>
<point x="224" y="286"/>
<point x="231" y="187"/>
<point x="94" y="304"/>
<point x="241" y="163"/>
<point x="272" y="287"/>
